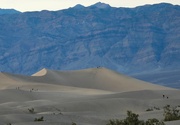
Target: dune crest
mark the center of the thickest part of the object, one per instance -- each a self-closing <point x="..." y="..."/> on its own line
<point x="42" y="72"/>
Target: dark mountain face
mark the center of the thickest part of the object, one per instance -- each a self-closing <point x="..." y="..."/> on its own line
<point x="166" y="78"/>
<point x="128" y="40"/>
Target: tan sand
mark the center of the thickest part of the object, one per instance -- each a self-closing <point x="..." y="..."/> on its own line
<point x="86" y="97"/>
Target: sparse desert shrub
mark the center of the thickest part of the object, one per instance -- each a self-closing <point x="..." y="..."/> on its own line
<point x="149" y="109"/>
<point x="152" y="109"/>
<point x="171" y="114"/>
<point x="31" y="110"/>
<point x="39" y="119"/>
<point x="73" y="123"/>
<point x="154" y="121"/>
<point x="115" y="122"/>
<point x="131" y="119"/>
<point x="156" y="108"/>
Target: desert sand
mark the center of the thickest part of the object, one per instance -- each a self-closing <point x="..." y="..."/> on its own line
<point x="85" y="97"/>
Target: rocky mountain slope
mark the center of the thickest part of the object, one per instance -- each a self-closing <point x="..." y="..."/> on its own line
<point x="128" y="40"/>
<point x="169" y="78"/>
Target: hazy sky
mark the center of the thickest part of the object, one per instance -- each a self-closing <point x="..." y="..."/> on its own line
<point x="34" y="5"/>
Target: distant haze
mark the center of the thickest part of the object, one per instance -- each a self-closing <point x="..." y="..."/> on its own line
<point x="37" y="5"/>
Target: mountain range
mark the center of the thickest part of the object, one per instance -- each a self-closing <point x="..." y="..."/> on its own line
<point x="8" y="11"/>
<point x="128" y="40"/>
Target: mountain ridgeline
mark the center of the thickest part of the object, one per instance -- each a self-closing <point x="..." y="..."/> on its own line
<point x="8" y="11"/>
<point x="128" y="40"/>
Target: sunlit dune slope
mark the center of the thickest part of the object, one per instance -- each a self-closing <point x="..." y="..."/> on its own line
<point x="94" y="78"/>
<point x="6" y="81"/>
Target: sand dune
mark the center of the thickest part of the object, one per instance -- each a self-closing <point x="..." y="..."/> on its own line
<point x="6" y="81"/>
<point x="96" y="78"/>
<point x="87" y="97"/>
